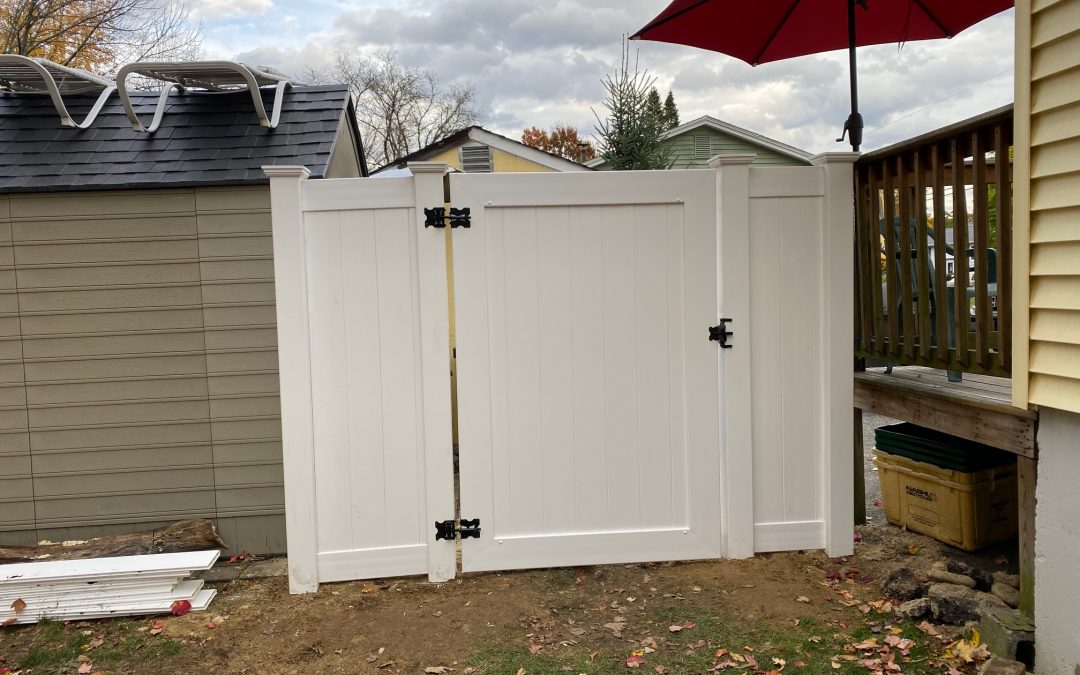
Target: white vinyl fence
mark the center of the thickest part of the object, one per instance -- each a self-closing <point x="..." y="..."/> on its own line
<point x="598" y="422"/>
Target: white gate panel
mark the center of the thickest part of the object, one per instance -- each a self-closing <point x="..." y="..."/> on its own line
<point x="589" y="416"/>
<point x="362" y="313"/>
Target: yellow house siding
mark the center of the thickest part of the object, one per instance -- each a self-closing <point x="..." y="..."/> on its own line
<point x="504" y="162"/>
<point x="147" y="338"/>
<point x="1047" y="187"/>
<point x="501" y="162"/>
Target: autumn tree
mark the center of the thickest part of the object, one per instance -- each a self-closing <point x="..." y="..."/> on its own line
<point x="630" y="136"/>
<point x="399" y="108"/>
<point x="98" y="35"/>
<point x="562" y="140"/>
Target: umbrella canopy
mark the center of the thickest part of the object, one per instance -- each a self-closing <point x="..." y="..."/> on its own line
<point x="760" y="31"/>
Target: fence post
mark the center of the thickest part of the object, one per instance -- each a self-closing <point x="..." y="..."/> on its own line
<point x="836" y="381"/>
<point x="294" y="371"/>
<point x="733" y="298"/>
<point x="435" y="366"/>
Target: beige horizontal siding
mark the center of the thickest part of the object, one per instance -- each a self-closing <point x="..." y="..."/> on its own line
<point x="16" y="469"/>
<point x="1048" y="205"/>
<point x="138" y="365"/>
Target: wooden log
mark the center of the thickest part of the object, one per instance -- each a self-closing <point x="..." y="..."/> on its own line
<point x="186" y="535"/>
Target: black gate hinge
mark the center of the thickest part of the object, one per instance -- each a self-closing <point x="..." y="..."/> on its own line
<point x="437" y="217"/>
<point x="721" y="334"/>
<point x="446" y="529"/>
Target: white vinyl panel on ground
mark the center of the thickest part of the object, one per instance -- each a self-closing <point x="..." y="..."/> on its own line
<point x="592" y="278"/>
<point x="800" y="227"/>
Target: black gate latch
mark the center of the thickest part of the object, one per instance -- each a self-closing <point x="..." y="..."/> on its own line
<point x="721" y="334"/>
<point x="446" y="529"/>
<point x="437" y="216"/>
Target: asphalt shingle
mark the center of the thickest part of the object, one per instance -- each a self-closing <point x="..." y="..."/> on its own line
<point x="204" y="139"/>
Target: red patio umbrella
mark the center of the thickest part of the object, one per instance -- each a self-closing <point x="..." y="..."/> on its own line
<point x="760" y="31"/>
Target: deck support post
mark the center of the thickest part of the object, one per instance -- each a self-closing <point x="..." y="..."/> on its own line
<point x="1026" y="477"/>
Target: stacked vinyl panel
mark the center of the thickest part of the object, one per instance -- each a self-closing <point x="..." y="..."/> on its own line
<point x="103" y="587"/>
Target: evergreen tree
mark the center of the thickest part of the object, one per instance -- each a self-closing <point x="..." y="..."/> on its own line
<point x="653" y="107"/>
<point x="671" y="111"/>
<point x="630" y="134"/>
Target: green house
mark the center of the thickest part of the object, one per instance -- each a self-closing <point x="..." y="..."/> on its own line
<point x="693" y="143"/>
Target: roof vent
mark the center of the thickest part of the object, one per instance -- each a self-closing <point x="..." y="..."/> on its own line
<point x="475" y="158"/>
<point x="217" y="76"/>
<point x="41" y="76"/>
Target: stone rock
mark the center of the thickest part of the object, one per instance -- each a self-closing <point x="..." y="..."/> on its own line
<point x="1010" y="595"/>
<point x="1007" y="579"/>
<point x="914" y="609"/>
<point x="999" y="666"/>
<point x="983" y="579"/>
<point x="903" y="585"/>
<point x="1010" y="634"/>
<point x="947" y="577"/>
<point x="988" y="602"/>
<point x="953" y="604"/>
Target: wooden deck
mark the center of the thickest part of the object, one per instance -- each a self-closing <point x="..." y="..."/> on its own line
<point x="979" y="408"/>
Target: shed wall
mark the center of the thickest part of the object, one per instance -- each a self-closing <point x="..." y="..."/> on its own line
<point x="1047" y="186"/>
<point x="145" y="364"/>
<point x="687" y="150"/>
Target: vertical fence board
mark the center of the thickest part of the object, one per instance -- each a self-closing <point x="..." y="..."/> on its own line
<point x="960" y="240"/>
<point x="922" y="253"/>
<point x="980" y="199"/>
<point x="941" y="328"/>
<point x="1003" y="203"/>
<point x="888" y="228"/>
<point x="904" y="263"/>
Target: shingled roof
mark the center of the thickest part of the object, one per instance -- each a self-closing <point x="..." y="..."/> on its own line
<point x="204" y="139"/>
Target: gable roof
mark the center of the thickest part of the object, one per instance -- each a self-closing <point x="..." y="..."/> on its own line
<point x="751" y="137"/>
<point x="478" y="134"/>
<point x="204" y="139"/>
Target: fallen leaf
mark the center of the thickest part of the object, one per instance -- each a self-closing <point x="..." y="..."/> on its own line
<point x="86" y="668"/>
<point x="635" y="660"/>
<point x="660" y="669"/>
<point x="779" y="662"/>
<point x="577" y="631"/>
<point x="18" y="605"/>
<point x="802" y="598"/>
<point x="675" y="629"/>
<point x="211" y="625"/>
<point x="535" y="649"/>
<point x="857" y="537"/>
<point x="912" y="549"/>
<point x="8" y="622"/>
<point x="877" y="503"/>
<point x="688" y="625"/>
<point x="520" y="671"/>
<point x="157" y="627"/>
<point x="799" y="664"/>
<point x="435" y="670"/>
<point x="180" y="608"/>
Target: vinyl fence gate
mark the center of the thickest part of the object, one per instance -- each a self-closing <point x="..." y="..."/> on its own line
<point x="651" y="365"/>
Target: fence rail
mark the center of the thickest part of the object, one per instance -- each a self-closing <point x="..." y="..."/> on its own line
<point x="932" y="249"/>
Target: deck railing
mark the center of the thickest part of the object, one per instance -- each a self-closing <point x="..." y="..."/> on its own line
<point x="933" y="245"/>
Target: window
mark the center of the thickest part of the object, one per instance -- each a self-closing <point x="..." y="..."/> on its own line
<point x="475" y="158"/>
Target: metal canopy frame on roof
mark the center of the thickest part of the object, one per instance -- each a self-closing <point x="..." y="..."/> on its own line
<point x="220" y="76"/>
<point x="42" y="76"/>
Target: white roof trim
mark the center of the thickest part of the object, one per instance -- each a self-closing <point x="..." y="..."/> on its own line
<point x="524" y="151"/>
<point x="738" y="132"/>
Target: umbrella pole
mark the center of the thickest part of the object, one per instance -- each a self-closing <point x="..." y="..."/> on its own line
<point x="853" y="127"/>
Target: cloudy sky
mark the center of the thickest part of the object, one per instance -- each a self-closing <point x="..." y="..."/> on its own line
<point x="540" y="63"/>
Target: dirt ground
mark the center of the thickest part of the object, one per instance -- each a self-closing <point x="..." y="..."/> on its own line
<point x="799" y="611"/>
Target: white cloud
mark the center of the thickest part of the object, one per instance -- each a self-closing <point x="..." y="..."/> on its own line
<point x="542" y="63"/>
<point x="229" y="9"/>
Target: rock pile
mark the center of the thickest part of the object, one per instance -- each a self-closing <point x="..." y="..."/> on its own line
<point x="952" y="592"/>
